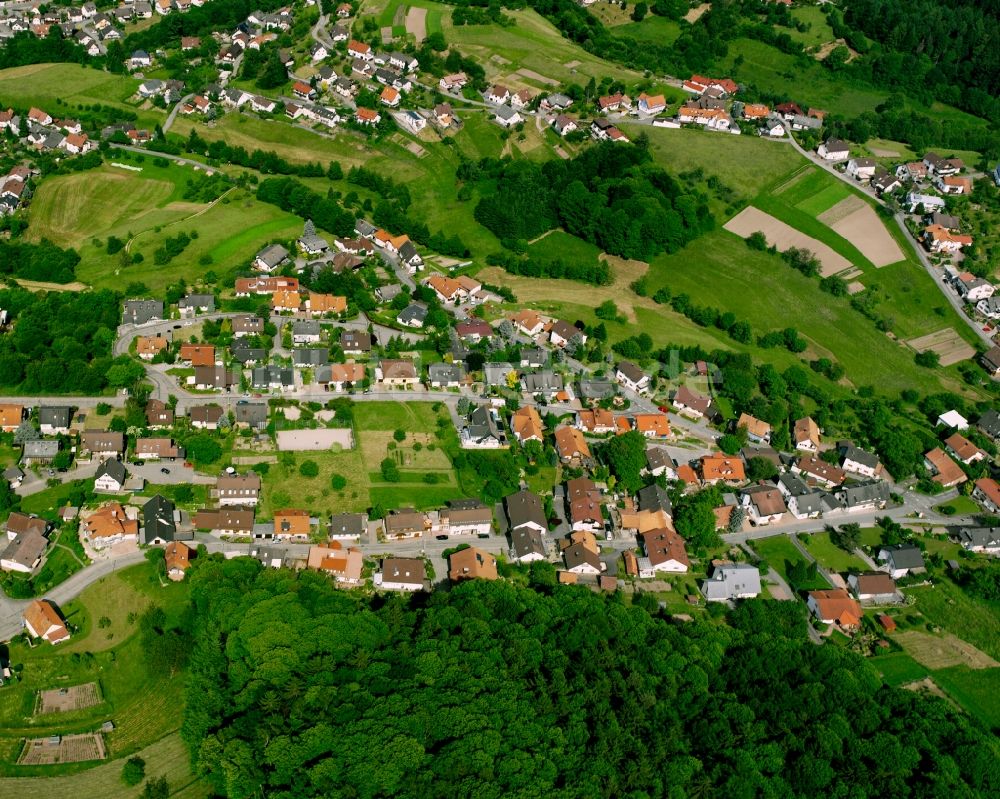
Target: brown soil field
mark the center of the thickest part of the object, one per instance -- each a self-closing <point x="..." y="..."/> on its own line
<point x="940" y="652"/>
<point x="857" y="222"/>
<point x="750" y="220"/>
<point x="949" y="346"/>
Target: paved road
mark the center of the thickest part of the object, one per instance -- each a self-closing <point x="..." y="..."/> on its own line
<point x="173" y="112"/>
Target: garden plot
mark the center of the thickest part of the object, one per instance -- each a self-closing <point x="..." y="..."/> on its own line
<point x="416" y="23"/>
<point x="943" y="651"/>
<point x="315" y="440"/>
<point x="532" y="75"/>
<point x="855" y="220"/>
<point x="750" y="220"/>
<point x="63" y="749"/>
<point x="948" y="344"/>
<point x="63" y="700"/>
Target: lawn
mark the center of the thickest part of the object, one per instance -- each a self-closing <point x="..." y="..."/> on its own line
<point x="285" y="487"/>
<point x="819" y="31"/>
<point x="830" y="555"/>
<point x="167" y="757"/>
<point x="898" y="668"/>
<point x="960" y="506"/>
<point x="653" y="29"/>
<point x="976" y="690"/>
<point x="972" y="620"/>
<point x="65" y="558"/>
<point x="62" y="88"/>
<point x="414" y="417"/>
<point x="532" y="43"/>
<point x="564" y="245"/>
<point x="812" y="191"/>
<point x="143" y="706"/>
<point x="48" y="501"/>
<point x="780" y="553"/>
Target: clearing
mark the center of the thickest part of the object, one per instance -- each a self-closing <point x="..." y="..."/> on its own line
<point x="315" y="440"/>
<point x="695" y="14"/>
<point x="949" y="346"/>
<point x="62" y="700"/>
<point x="856" y="221"/>
<point x="943" y="651"/>
<point x="751" y="220"/>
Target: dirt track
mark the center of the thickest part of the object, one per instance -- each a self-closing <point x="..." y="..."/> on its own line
<point x="750" y="220"/>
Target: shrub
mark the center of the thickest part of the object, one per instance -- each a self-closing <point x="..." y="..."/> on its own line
<point x="134" y="771"/>
<point x="309" y="469"/>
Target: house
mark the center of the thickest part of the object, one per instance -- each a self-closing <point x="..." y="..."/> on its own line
<point x="215" y="378"/>
<point x="453" y="83"/>
<point x="580" y="559"/>
<point x="861" y="169"/>
<point x="238" y="489"/>
<point x="273" y="377"/>
<point x="506" y="117"/>
<point x="835" y="607"/>
<point x="583" y="501"/>
<point x="355" y="342"/>
<point x="885" y="182"/>
<point x="389" y="97"/>
<point x="521" y="98"/>
<point x="197" y="354"/>
<point x="292" y="524"/>
<point x="405" y="523"/>
<point x="990" y="307"/>
<point x="691" y="404"/>
<point x="40" y="451"/>
<point x="527" y="322"/>
<point x="497" y="94"/>
<point x="524" y="512"/>
<point x="833" y="150"/>
<point x="665" y="551"/>
<point x="972" y="288"/>
<point x="901" y="560"/>
<point x="444" y="115"/>
<point x="159" y="522"/>
<point x="722" y="468"/>
<point x="54" y="419"/>
<point x="556" y="102"/>
<point x="347" y="527"/>
<point x="819" y="471"/>
<point x="937" y="239"/>
<point x="731" y="581"/>
<point x="141" y="312"/>
<point x="773" y="127"/>
<point x="564" y="125"/>
<point x="413" y="315"/>
<point x="764" y="504"/>
<point x="991" y="361"/>
<point x="989" y="423"/>
<point x="562" y="334"/>
<point x="194" y="303"/>
<point x="139" y="59"/>
<point x="864" y="497"/>
<point x="286" y="300"/>
<point x="102" y="443"/>
<point x="572" y="447"/>
<point x="247" y="326"/>
<point x="472" y="564"/>
<point x="341" y="376"/>
<point x="466" y="517"/>
<point x="401" y="574"/>
<point x="651" y="425"/>
<point x="359" y="50"/>
<point x="482" y="431"/>
<point x="963" y="449"/>
<point x="445" y="375"/>
<point x="874" y="588"/>
<point x="857" y="461"/>
<point x="936" y="165"/>
<point x="41" y="620"/>
<point x="651" y="104"/>
<point x="24" y="549"/>
<point x="319" y="304"/>
<point x="660" y="462"/>
<point x="157" y="448"/>
<point x="987" y="494"/>
<point x="928" y="202"/>
<point x="596" y="421"/>
<point x="805" y="435"/>
<point x="110" y="477"/>
<point x="396" y="373"/>
<point x="109" y="525"/>
<point x="345" y="566"/>
<point x="912" y="171"/>
<point x="946" y="472"/>
<point x="544" y="382"/>
<point x="366" y="116"/>
<point x="526" y="425"/>
<point x="177" y="559"/>
<point x="306" y="331"/>
<point x="11" y="416"/>
<point x="953" y="419"/>
<point x="474" y="331"/>
<point x="225" y="520"/>
<point x="631" y="377"/>
<point x="980" y="539"/>
<point x="758" y="431"/>
<point x="310" y="242"/>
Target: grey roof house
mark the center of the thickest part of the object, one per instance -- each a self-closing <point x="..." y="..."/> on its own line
<point x="732" y="581"/>
<point x="140" y="312"/>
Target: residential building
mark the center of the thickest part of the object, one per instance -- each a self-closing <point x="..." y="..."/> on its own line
<point x="583" y="501"/>
<point x="23" y="551"/>
<point x="980" y="539"/>
<point x="11" y="416"/>
<point x="482" y="430"/>
<point x="110" y="477"/>
<point x="764" y="504"/>
<point x="466" y="518"/>
<point x="691" y="404"/>
<point x="41" y="620"/>
<point x="109" y="525"/>
<point x="159" y="521"/>
<point x="225" y="520"/>
<point x="345" y="566"/>
<point x="833" y="150"/>
<point x="347" y="527"/>
<point x="238" y="489"/>
<point x="835" y="607"/>
<point x="54" y="419"/>
<point x="987" y="494"/>
<point x="103" y="443"/>
<point x="405" y="523"/>
<point x="401" y="574"/>
<point x="472" y="564"/>
<point x="857" y="461"/>
<point x="864" y="497"/>
<point x="206" y="417"/>
<point x="874" y="588"/>
<point x="963" y="449"/>
<point x="580" y="559"/>
<point x="572" y="447"/>
<point x="632" y="377"/>
<point x="819" y="471"/>
<point x="732" y="581"/>
<point x="665" y="551"/>
<point x="177" y="559"/>
<point x="805" y="435"/>
<point x="527" y="425"/>
<point x="596" y="421"/>
<point x="141" y="312"/>
<point x="946" y="472"/>
<point x="901" y="560"/>
<point x="292" y="524"/>
<point x="758" y="431"/>
<point x="722" y="468"/>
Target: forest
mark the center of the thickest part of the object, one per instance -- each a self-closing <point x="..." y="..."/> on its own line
<point x="43" y="261"/>
<point x="296" y="689"/>
<point x="61" y="343"/>
<point x="609" y="195"/>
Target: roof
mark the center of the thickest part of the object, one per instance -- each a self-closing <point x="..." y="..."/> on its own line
<point x="767" y="500"/>
<point x="177" y="555"/>
<point x="989" y="488"/>
<point x="397" y="369"/>
<point x="962" y="447"/>
<point x="837" y="605"/>
<point x="904" y="556"/>
<point x="806" y="430"/>
<point x="112" y="468"/>
<point x="410" y="571"/>
<point x="570" y="443"/>
<point x="813" y="466"/>
<point x="472" y="563"/>
<point x="577" y="555"/>
<point x="524" y="508"/>
<point x="527" y="424"/>
<point x="158" y="519"/>
<point x="664" y="545"/>
<point x="42" y="617"/>
<point x="732" y="580"/>
<point x="875" y="583"/>
<point x="755" y="427"/>
<point x="865" y="494"/>
<point x="860" y="456"/>
<point x="979" y="537"/>
<point x="722" y="467"/>
<point x="25" y="548"/>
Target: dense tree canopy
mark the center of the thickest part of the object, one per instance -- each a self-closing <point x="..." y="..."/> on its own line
<point x="609" y="195"/>
<point x="490" y="690"/>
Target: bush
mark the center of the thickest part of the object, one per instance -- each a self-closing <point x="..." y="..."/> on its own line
<point x="134" y="771"/>
<point x="309" y="469"/>
<point x="390" y="471"/>
<point x="399" y="435"/>
<point x="338" y="482"/>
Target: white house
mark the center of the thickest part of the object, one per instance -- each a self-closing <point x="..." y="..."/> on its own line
<point x="833" y="150"/>
<point x="732" y="581"/>
<point x="110" y="477"/>
<point x="901" y="560"/>
<point x="861" y="169"/>
<point x="401" y="574"/>
<point x="632" y="377"/>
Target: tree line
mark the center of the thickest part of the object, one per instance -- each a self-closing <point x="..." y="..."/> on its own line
<point x="297" y="689"/>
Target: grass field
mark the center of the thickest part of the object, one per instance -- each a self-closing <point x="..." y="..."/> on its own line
<point x="830" y="555"/>
<point x="143" y="706"/>
<point x="780" y="553"/>
<point x="961" y="505"/>
<point x="653" y="29"/>
<point x="898" y="668"/>
<point x="62" y="89"/>
<point x="532" y="43"/>
<point x="975" y="621"/>
<point x="819" y="31"/>
<point x="976" y="690"/>
<point x="168" y="757"/>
